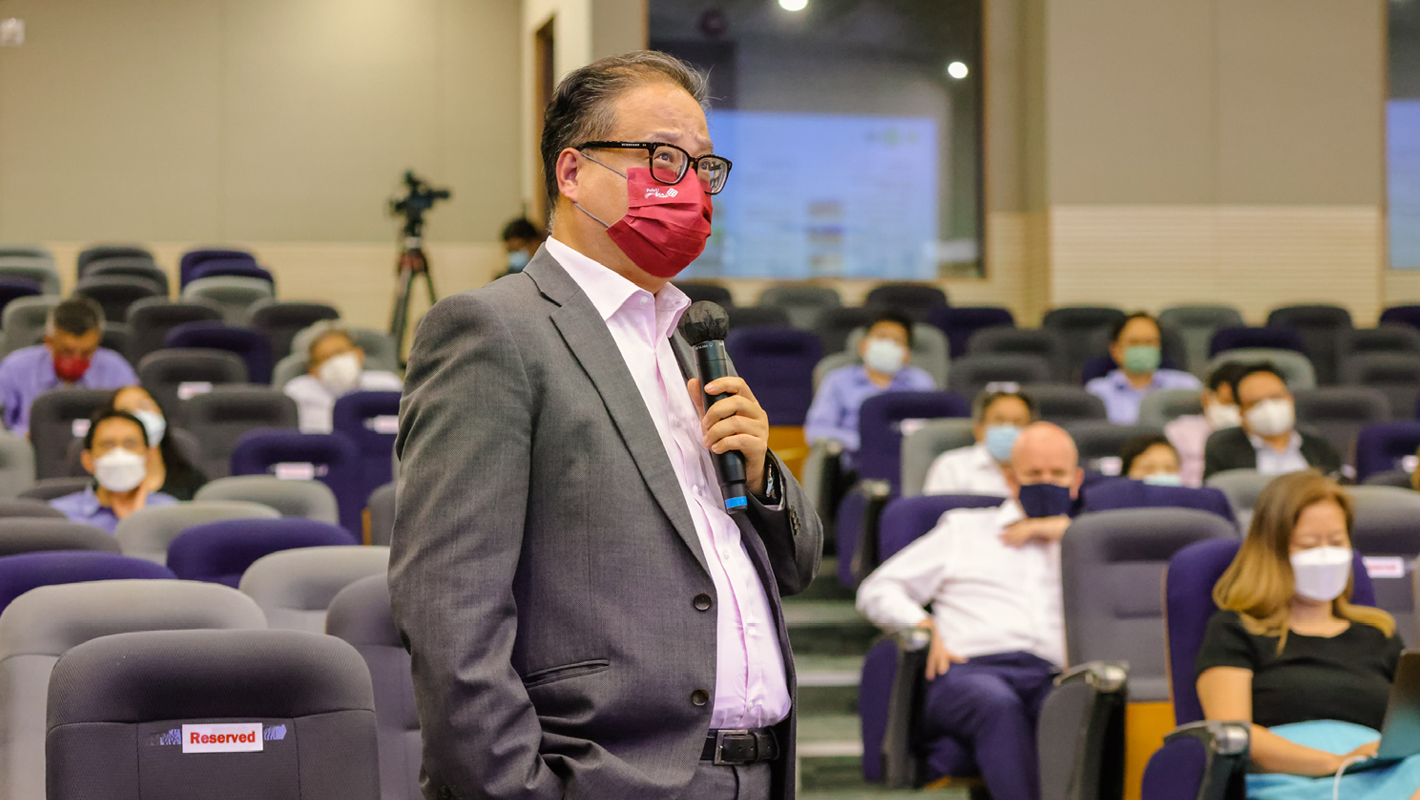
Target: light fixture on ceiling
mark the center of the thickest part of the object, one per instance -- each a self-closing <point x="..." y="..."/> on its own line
<point x="958" y="70"/>
<point x="793" y="5"/>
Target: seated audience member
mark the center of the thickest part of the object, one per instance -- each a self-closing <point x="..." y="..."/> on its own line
<point x="885" y="351"/>
<point x="116" y="453"/>
<point x="169" y="470"/>
<point x="1268" y="440"/>
<point x="521" y="239"/>
<point x="1135" y="347"/>
<point x="336" y="368"/>
<point x="1190" y="433"/>
<point x="998" y="630"/>
<point x="1151" y="459"/>
<point x="69" y="356"/>
<point x="1289" y="653"/>
<point x="997" y="418"/>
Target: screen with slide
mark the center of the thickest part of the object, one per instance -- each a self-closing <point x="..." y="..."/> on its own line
<point x="1403" y="164"/>
<point x="820" y="195"/>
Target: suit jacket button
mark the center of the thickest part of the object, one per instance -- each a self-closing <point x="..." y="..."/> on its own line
<point x="699" y="697"/>
<point x="703" y="602"/>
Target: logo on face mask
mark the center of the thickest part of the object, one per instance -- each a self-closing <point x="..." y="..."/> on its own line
<point x="663" y="193"/>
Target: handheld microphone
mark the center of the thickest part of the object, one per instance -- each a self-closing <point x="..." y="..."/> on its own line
<point x="704" y="326"/>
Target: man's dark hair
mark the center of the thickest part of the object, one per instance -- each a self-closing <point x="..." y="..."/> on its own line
<point x="894" y="317"/>
<point x="988" y="397"/>
<point x="76" y="316"/>
<point x="106" y="414"/>
<point x="522" y="228"/>
<point x="1119" y="325"/>
<point x="1249" y="370"/>
<point x="1226" y="374"/>
<point x="1135" y="447"/>
<point x="581" y="108"/>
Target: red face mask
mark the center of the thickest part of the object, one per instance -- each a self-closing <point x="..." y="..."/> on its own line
<point x="70" y="368"/>
<point x="665" y="227"/>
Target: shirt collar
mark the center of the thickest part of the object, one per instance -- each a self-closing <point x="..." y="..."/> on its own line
<point x="1295" y="443"/>
<point x="610" y="292"/>
<point x="1121" y="381"/>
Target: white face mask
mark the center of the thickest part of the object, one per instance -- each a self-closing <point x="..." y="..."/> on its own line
<point x="1222" y="415"/>
<point x="885" y="355"/>
<point x="1321" y="573"/>
<point x="154" y="424"/>
<point x="1272" y="417"/>
<point x="340" y="373"/>
<point x="120" y="470"/>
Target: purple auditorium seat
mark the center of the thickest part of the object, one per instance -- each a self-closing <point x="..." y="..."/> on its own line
<point x="916" y="300"/>
<point x="1402" y="315"/>
<point x="232" y="267"/>
<point x="880" y="428"/>
<point x="1380" y="447"/>
<point x="25" y="571"/>
<point x="1225" y="339"/>
<point x="960" y="322"/>
<point x="1110" y="493"/>
<point x="192" y="258"/>
<point x="333" y="459"/>
<point x="219" y="552"/>
<point x="13" y="288"/>
<point x="370" y="420"/>
<point x="251" y="345"/>
<point x="778" y="364"/>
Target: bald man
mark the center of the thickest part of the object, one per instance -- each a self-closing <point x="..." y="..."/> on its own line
<point x="998" y="632"/>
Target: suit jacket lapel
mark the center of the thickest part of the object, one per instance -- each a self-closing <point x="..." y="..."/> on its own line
<point x="586" y="335"/>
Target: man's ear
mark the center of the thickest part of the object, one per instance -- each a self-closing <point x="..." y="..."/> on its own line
<point x="1078" y="482"/>
<point x="566" y="173"/>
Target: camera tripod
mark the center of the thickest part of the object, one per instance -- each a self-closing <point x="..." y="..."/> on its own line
<point x="412" y="264"/>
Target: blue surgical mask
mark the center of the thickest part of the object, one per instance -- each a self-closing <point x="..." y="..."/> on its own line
<point x="1000" y="439"/>
<point x="517" y="260"/>
<point x="1045" y="500"/>
<point x="1164" y="479"/>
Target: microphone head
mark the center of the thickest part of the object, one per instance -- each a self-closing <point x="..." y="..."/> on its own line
<point x="703" y="322"/>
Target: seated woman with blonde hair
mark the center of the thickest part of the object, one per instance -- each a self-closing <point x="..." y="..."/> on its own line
<point x="1289" y="653"/>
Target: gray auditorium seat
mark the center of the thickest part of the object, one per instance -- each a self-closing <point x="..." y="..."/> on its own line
<point x="294" y="587"/>
<point x="380" y="507"/>
<point x="1339" y="413"/>
<point x="1064" y="404"/>
<point x="1196" y="324"/>
<point x="1112" y="565"/>
<point x="29" y="507"/>
<point x="1099" y="443"/>
<point x="28" y="534"/>
<point x="380" y="354"/>
<point x="17" y="465"/>
<point x="1161" y="408"/>
<point x="1384" y="532"/>
<point x="52" y="425"/>
<point x="315" y="700"/>
<point x="171" y="373"/>
<point x="1388" y="337"/>
<point x="1395" y="374"/>
<point x="1296" y="368"/>
<point x="292" y="498"/>
<point x="47" y="489"/>
<point x="220" y="417"/>
<point x="148" y="532"/>
<point x="43" y="624"/>
<point x="360" y="614"/>
<point x="803" y="302"/>
<point x="1025" y="341"/>
<point x="232" y="295"/>
<point x="921" y="447"/>
<point x="1242" y="486"/>
<point x="973" y="372"/>
<point x="22" y="321"/>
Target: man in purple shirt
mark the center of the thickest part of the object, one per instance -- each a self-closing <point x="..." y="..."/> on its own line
<point x="70" y="356"/>
<point x="1135" y="347"/>
<point x="116" y="453"/>
<point x="885" y="352"/>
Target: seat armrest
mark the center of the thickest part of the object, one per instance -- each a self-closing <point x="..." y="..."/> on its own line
<point x="865" y="560"/>
<point x="1200" y="761"/>
<point x="1086" y="708"/>
<point x="901" y="765"/>
<point x="821" y="472"/>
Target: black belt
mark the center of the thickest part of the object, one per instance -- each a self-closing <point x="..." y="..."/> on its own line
<point x="740" y="748"/>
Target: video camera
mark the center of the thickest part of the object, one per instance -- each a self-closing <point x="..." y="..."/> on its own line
<point x="418" y="199"/>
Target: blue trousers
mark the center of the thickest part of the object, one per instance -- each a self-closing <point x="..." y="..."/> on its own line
<point x="991" y="704"/>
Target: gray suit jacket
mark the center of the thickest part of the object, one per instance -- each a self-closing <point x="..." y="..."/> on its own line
<point x="545" y="565"/>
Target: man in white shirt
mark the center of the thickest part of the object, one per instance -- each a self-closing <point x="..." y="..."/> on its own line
<point x="997" y="418"/>
<point x="336" y="368"/>
<point x="998" y="630"/>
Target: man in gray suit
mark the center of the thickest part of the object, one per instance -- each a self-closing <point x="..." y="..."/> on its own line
<point x="586" y="618"/>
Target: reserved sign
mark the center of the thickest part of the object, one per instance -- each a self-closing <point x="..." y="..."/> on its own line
<point x="227" y="737"/>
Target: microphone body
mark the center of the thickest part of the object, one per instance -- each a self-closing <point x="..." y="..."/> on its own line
<point x="712" y="363"/>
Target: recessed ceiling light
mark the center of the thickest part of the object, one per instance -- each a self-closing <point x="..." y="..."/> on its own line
<point x="793" y="5"/>
<point x="957" y="70"/>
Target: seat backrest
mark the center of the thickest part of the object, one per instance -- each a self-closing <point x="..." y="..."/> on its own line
<point x="1099" y="442"/>
<point x="15" y="288"/>
<point x="1062" y="404"/>
<point x="46" y="622"/>
<point x="221" y="416"/>
<point x="133" y="268"/>
<point x="1385" y="533"/>
<point x="193" y="258"/>
<point x="1225" y="339"/>
<point x="219" y="552"/>
<point x="17" y="465"/>
<point x="371" y="420"/>
<point x="23" y="320"/>
<point x="281" y="321"/>
<point x="47" y="489"/>
<point x="1112" y="565"/>
<point x="53" y="418"/>
<point x="152" y="319"/>
<point x="1388" y="337"/>
<point x="249" y="344"/>
<point x="147" y="532"/>
<point x="231" y="267"/>
<point x="1188" y="605"/>
<point x="1402" y="315"/>
<point x="1162" y="407"/>
<point x="22" y="572"/>
<point x="834" y="325"/>
<point x="380" y="352"/>
<point x="115" y="293"/>
<point x="316" y="700"/>
<point x="360" y="614"/>
<point x="1319" y="326"/>
<point x="40" y="270"/>
<point x="880" y="431"/>
<point x="916" y="300"/>
<point x="1242" y="486"/>
<point x="757" y="317"/>
<point x="929" y="350"/>
<point x="1083" y="329"/>
<point x="295" y="587"/>
<point x="232" y="295"/>
<point x="1381" y="447"/>
<point x="975" y="371"/>
<point x="960" y="322"/>
<point x="779" y="364"/>
<point x="30" y="508"/>
<point x="1395" y="374"/>
<point x="103" y="252"/>
<point x="1339" y="413"/>
<point x="332" y="459"/>
<point x="292" y="498"/>
<point x="1115" y="493"/>
<point x="1195" y="325"/>
<point x="801" y="301"/>
<point x="381" y="510"/>
<point x="38" y="534"/>
<point x="1296" y="368"/>
<point x="906" y="519"/>
<point x="171" y="376"/>
<point x="1024" y="341"/>
<point x="921" y="447"/>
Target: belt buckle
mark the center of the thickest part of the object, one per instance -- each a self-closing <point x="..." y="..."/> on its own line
<point x="718" y="759"/>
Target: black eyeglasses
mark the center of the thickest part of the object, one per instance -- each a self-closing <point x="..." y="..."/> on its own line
<point x="670" y="163"/>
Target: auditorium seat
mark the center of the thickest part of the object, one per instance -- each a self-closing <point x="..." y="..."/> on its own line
<point x="803" y="302"/>
<point x="380" y="512"/>
<point x="916" y="300"/>
<point x="47" y="489"/>
<point x="1024" y="341"/>
<point x="1398" y="478"/>
<point x="1385" y="338"/>
<point x="331" y="458"/>
<point x="31" y="268"/>
<point x="744" y="317"/>
<point x="132" y="268"/>
<point x="1339" y="413"/>
<point x="220" y="417"/>
<point x="17" y="465"/>
<point x="879" y="426"/>
<point x="22" y="572"/>
<point x="116" y="293"/>
<point x="147" y="532"/>
<point x="1381" y="447"/>
<point x="232" y="295"/>
<point x="31" y="251"/>
<point x="1245" y="338"/>
<point x="292" y="498"/>
<point x="959" y="323"/>
<point x="1395" y="374"/>
<point x="152" y="319"/>
<point x="230" y="268"/>
<point x="193" y="258"/>
<point x="41" y="626"/>
<point x="15" y="288"/>
<point x="1162" y="407"/>
<point x="35" y="534"/>
<point x="281" y="321"/>
<point x="1064" y="404"/>
<point x="295" y="587"/>
<point x="1320" y="325"/>
<point x="316" y="701"/>
<point x="360" y="615"/>
<point x="1385" y="533"/>
<point x="1296" y="368"/>
<point x="1242" y="486"/>
<point x="99" y="253"/>
<point x="921" y="447"/>
<point x="172" y="375"/>
<point x="27" y="507"/>
<point x="23" y="321"/>
<point x="1084" y="329"/>
<point x="1099" y="442"/>
<point x="834" y="325"/>
<point x="777" y="363"/>
<point x="1402" y="315"/>
<point x="1116" y="493"/>
<point x="219" y="552"/>
<point x="57" y="418"/>
<point x="249" y="344"/>
<point x="370" y="421"/>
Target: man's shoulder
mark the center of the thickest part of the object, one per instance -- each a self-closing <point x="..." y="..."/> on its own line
<point x="1104" y="383"/>
<point x="1178" y="379"/>
<point x="960" y="457"/>
<point x="1229" y="438"/>
<point x="110" y="359"/>
<point x="840" y="375"/>
<point x="22" y="358"/>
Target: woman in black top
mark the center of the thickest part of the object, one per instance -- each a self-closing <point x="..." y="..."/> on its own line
<point x="169" y="471"/>
<point x="1288" y="646"/>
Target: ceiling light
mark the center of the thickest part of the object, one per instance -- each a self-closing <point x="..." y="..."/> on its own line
<point x="793" y="5"/>
<point x="957" y="70"/>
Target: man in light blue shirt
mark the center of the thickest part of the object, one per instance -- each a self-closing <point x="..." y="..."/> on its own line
<point x="885" y="351"/>
<point x="1135" y="346"/>
<point x="116" y="453"/>
<point x="70" y="356"/>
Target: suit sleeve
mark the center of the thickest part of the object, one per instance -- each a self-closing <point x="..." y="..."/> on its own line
<point x="791" y="532"/>
<point x="465" y="451"/>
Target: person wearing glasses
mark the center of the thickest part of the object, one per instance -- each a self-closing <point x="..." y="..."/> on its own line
<point x="586" y="616"/>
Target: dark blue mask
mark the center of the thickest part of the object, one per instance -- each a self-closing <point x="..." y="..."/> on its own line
<point x="1045" y="500"/>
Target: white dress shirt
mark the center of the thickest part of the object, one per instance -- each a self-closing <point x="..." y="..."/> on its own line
<point x="966" y="470"/>
<point x="986" y="597"/>
<point x="315" y="402"/>
<point x="751" y="688"/>
<point x="1273" y="462"/>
